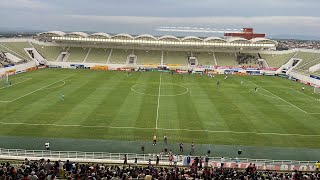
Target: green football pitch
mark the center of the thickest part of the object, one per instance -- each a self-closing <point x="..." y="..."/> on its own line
<point x="189" y="108"/>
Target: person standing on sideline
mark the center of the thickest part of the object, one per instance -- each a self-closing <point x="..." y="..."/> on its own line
<point x="154" y="140"/>
<point x="125" y="159"/>
<point x="192" y="148"/>
<point x="181" y="147"/>
<point x="165" y="139"/>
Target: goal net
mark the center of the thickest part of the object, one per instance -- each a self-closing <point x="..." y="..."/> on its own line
<point x="316" y="89"/>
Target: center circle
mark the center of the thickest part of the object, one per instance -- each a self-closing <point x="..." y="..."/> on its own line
<point x="166" y="89"/>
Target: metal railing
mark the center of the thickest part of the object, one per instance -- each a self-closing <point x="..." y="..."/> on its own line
<point x="104" y="157"/>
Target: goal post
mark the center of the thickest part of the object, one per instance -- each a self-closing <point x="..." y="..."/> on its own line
<point x="4" y="80"/>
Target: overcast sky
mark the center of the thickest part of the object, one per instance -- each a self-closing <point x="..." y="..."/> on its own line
<point x="296" y="17"/>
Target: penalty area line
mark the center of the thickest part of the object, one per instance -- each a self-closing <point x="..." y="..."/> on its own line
<point x="37" y="89"/>
<point x="280" y="98"/>
<point x="163" y="129"/>
<point x="27" y="79"/>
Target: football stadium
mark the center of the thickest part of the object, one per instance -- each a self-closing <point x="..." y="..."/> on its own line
<point x="230" y="101"/>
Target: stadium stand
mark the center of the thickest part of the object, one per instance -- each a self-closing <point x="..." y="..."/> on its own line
<point x="308" y="60"/>
<point x="4" y="60"/>
<point x="148" y="57"/>
<point x="276" y="60"/>
<point x="176" y="57"/>
<point x="246" y="59"/>
<point x="204" y="58"/>
<point x="77" y="54"/>
<point x="226" y="59"/>
<point x="50" y="53"/>
<point x="98" y="55"/>
<point x="18" y="47"/>
<point x="45" y="169"/>
<point x="119" y="56"/>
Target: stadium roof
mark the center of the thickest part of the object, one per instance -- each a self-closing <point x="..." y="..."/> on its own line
<point x="146" y="36"/>
<point x="168" y="37"/>
<point x="79" y="34"/>
<point x="151" y="37"/>
<point x="191" y="38"/>
<point x="126" y="36"/>
<point x="256" y="40"/>
<point x="100" y="34"/>
<point x="57" y="33"/>
<point x="234" y="39"/>
<point x="167" y="40"/>
<point x="214" y="38"/>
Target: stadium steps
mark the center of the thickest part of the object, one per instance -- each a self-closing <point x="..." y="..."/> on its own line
<point x="110" y="54"/>
<point x="85" y="58"/>
<point x="214" y="58"/>
<point x="161" y="63"/>
<point x="226" y="59"/>
<point x="98" y="55"/>
<point x="49" y="53"/>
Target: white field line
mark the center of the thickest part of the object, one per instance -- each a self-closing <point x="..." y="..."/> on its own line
<point x="158" y="105"/>
<point x="38" y="89"/>
<point x="279" y="98"/>
<point x="303" y="94"/>
<point x="27" y="79"/>
<point x="164" y="129"/>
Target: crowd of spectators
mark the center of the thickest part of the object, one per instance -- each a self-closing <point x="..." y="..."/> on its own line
<point x="246" y="58"/>
<point x="47" y="170"/>
<point x="4" y="60"/>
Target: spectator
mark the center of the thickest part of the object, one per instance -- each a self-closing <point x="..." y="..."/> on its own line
<point x="222" y="160"/>
<point x="154" y="140"/>
<point x="181" y="147"/>
<point x="125" y="159"/>
<point x="165" y="139"/>
<point x="175" y="160"/>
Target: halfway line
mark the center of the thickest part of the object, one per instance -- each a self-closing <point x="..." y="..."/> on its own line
<point x="158" y="105"/>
